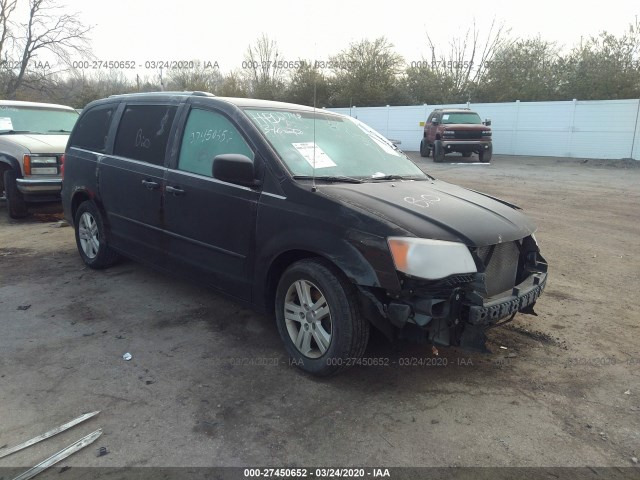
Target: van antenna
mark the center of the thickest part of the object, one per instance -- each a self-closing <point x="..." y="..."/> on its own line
<point x="315" y="83"/>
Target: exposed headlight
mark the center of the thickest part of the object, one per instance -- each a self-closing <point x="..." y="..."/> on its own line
<point x="430" y="259"/>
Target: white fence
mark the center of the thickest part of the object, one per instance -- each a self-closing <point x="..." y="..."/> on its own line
<point x="581" y="129"/>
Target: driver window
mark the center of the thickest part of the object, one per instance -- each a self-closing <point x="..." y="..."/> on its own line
<point x="206" y="135"/>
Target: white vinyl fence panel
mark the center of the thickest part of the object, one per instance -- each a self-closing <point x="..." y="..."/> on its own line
<point x="607" y="129"/>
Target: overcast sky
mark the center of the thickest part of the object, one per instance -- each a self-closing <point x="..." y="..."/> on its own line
<point x="220" y="31"/>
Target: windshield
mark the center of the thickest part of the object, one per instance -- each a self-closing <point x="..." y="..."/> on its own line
<point x="36" y="120"/>
<point x="461" y="117"/>
<point x="338" y="146"/>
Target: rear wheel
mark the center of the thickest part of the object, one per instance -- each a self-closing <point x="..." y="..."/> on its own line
<point x="486" y="154"/>
<point x="91" y="239"/>
<point x="318" y="318"/>
<point x="438" y="151"/>
<point x="424" y="148"/>
<point x="16" y="205"/>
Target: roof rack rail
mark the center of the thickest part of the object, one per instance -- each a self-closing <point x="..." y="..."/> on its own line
<point x="172" y="92"/>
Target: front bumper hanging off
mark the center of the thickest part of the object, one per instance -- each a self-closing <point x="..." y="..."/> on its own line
<point x="495" y="309"/>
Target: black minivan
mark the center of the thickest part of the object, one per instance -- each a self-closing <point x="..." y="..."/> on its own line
<point x="298" y="211"/>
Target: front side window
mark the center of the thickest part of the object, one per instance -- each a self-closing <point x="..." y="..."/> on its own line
<point x="144" y="132"/>
<point x="324" y="143"/>
<point x="92" y="129"/>
<point x="206" y="135"/>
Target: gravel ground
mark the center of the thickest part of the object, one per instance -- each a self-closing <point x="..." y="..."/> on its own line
<point x="209" y="383"/>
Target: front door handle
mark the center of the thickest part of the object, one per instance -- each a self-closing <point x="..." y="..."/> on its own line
<point x="150" y="185"/>
<point x="175" y="190"/>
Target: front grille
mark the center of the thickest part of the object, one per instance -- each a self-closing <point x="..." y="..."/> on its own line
<point x="501" y="266"/>
<point x="468" y="134"/>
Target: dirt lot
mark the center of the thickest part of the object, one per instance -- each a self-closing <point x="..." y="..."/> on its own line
<point x="564" y="392"/>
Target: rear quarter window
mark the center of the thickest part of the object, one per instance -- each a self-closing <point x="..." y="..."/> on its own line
<point x="143" y="132"/>
<point x="92" y="129"/>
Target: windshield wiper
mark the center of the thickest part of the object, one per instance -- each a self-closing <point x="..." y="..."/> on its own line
<point x="329" y="178"/>
<point x="395" y="177"/>
<point x="15" y="131"/>
<point x="59" y="131"/>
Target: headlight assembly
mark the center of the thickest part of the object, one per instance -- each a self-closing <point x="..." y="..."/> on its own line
<point x="430" y="259"/>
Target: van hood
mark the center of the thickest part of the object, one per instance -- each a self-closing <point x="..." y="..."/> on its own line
<point x="437" y="210"/>
<point x="37" y="143"/>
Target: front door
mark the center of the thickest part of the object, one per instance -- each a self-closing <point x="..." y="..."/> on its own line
<point x="210" y="224"/>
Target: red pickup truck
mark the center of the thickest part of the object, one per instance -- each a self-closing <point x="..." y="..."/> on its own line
<point x="456" y="130"/>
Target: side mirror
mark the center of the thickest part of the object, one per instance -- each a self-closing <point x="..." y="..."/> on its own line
<point x="435" y="122"/>
<point x="487" y="121"/>
<point x="234" y="168"/>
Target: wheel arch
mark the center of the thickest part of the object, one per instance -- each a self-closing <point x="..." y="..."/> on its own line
<point x="350" y="263"/>
<point x="81" y="195"/>
<point x="279" y="265"/>
<point x="7" y="162"/>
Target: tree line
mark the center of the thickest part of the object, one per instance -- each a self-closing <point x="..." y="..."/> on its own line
<point x="489" y="66"/>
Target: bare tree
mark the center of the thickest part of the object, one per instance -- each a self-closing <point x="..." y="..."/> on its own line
<point x="264" y="68"/>
<point x="48" y="29"/>
<point x="467" y="59"/>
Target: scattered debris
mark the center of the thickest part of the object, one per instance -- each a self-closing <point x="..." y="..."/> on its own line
<point x="634" y="459"/>
<point x="49" y="434"/>
<point x="434" y="350"/>
<point x="628" y="392"/>
<point x="60" y="224"/>
<point x="24" y="307"/>
<point x="61" y="455"/>
<point x="127" y="356"/>
<point x="102" y="451"/>
<point x="503" y="347"/>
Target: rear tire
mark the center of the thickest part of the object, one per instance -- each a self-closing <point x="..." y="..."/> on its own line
<point x="424" y="148"/>
<point x="438" y="151"/>
<point x="318" y="318"/>
<point x="16" y="206"/>
<point x="486" y="154"/>
<point x="90" y="237"/>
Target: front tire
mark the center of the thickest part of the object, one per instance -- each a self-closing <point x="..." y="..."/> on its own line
<point x="16" y="206"/>
<point x="424" y="148"/>
<point x="90" y="237"/>
<point x="438" y="151"/>
<point x="486" y="154"/>
<point x="318" y="318"/>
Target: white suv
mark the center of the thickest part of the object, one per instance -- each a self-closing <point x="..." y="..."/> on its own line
<point x="33" y="137"/>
